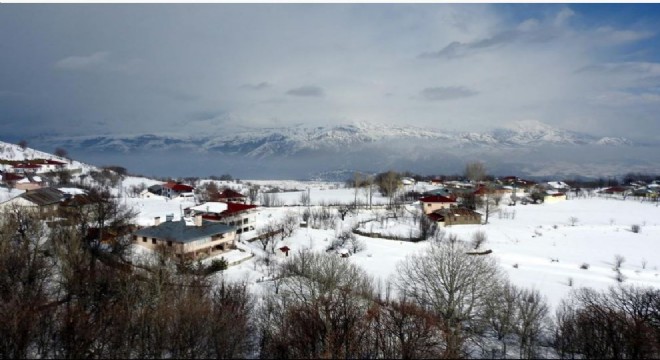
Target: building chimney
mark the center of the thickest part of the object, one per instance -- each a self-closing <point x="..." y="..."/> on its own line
<point x="198" y="220"/>
<point x="157" y="221"/>
<point x="169" y="217"/>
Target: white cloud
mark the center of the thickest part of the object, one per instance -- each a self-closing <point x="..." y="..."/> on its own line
<point x="562" y="16"/>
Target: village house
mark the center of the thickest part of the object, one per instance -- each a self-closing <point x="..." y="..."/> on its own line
<point x="553" y="196"/>
<point x="242" y="216"/>
<point x="455" y="216"/>
<point x="22" y="168"/>
<point x="436" y="202"/>
<point x="229" y="195"/>
<point x="188" y="237"/>
<point x="172" y="190"/>
<point x="29" y="181"/>
<point x="9" y="179"/>
<point x="44" y="200"/>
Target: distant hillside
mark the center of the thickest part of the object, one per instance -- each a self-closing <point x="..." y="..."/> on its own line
<point x="290" y="141"/>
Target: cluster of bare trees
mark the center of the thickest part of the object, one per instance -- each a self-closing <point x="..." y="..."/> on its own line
<point x="621" y="323"/>
<point x="63" y="296"/>
<point x="445" y="304"/>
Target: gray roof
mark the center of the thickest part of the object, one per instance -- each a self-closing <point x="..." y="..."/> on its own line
<point x="43" y="196"/>
<point x="178" y="231"/>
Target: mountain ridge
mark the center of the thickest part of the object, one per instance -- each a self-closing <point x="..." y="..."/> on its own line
<point x="287" y="141"/>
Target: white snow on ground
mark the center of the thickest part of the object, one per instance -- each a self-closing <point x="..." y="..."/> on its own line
<point x="531" y="240"/>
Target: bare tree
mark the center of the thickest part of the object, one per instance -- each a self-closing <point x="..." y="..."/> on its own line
<point x="478" y="239"/>
<point x="388" y="184"/>
<point x="475" y="171"/>
<point x="357" y="183"/>
<point x="253" y="193"/>
<point x="368" y="189"/>
<point x="502" y="315"/>
<point x="531" y="321"/>
<point x="61" y="152"/>
<point x="319" y="310"/>
<point x="455" y="285"/>
<point x="266" y="235"/>
<point x="618" y="261"/>
<point x="305" y="198"/>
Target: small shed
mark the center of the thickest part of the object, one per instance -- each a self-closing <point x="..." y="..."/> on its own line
<point x="285" y="250"/>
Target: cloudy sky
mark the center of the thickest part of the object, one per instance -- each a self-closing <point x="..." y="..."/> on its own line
<point x="122" y="68"/>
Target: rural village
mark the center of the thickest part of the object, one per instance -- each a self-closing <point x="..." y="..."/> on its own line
<point x="551" y="236"/>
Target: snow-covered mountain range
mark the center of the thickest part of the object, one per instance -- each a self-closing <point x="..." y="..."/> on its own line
<point x="289" y="141"/>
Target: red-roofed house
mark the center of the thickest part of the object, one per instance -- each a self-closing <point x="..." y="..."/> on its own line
<point x="242" y="216"/>
<point x="52" y="165"/>
<point x="175" y="189"/>
<point x="229" y="195"/>
<point x="25" y="168"/>
<point x="436" y="202"/>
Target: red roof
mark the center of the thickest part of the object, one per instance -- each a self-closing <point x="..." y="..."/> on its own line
<point x="178" y="187"/>
<point x="437" y="199"/>
<point x="284" y="248"/>
<point x="436" y="217"/>
<point x="615" y="189"/>
<point x="230" y="194"/>
<point x="11" y="177"/>
<point x="232" y="208"/>
<point x="26" y="166"/>
<point x="482" y="190"/>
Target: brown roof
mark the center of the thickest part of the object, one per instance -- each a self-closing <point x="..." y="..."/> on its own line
<point x="44" y="196"/>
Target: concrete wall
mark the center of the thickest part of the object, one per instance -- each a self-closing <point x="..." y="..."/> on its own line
<point x="201" y="245"/>
<point x="431" y="207"/>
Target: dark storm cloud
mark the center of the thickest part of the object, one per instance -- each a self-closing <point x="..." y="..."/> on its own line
<point x="308" y="90"/>
<point x="159" y="67"/>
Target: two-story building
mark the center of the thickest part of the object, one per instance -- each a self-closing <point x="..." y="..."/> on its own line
<point x="242" y="216"/>
<point x="436" y="202"/>
<point x="189" y="237"/>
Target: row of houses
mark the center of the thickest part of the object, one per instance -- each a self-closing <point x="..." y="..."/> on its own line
<point x="443" y="205"/>
<point x="33" y="166"/>
<point x="205" y="229"/>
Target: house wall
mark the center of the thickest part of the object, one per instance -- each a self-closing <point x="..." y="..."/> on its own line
<point x="431" y="207"/>
<point x="553" y="199"/>
<point x="243" y="222"/>
<point x="27" y="186"/>
<point x="462" y="220"/>
<point x="204" y="245"/>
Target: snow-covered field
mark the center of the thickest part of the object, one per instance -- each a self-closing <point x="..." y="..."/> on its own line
<point x="536" y="245"/>
<point x="538" y="239"/>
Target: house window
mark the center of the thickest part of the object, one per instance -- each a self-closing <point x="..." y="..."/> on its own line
<point x="153" y="241"/>
<point x="239" y="231"/>
<point x="144" y="239"/>
<point x="245" y="221"/>
<point x="169" y="243"/>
